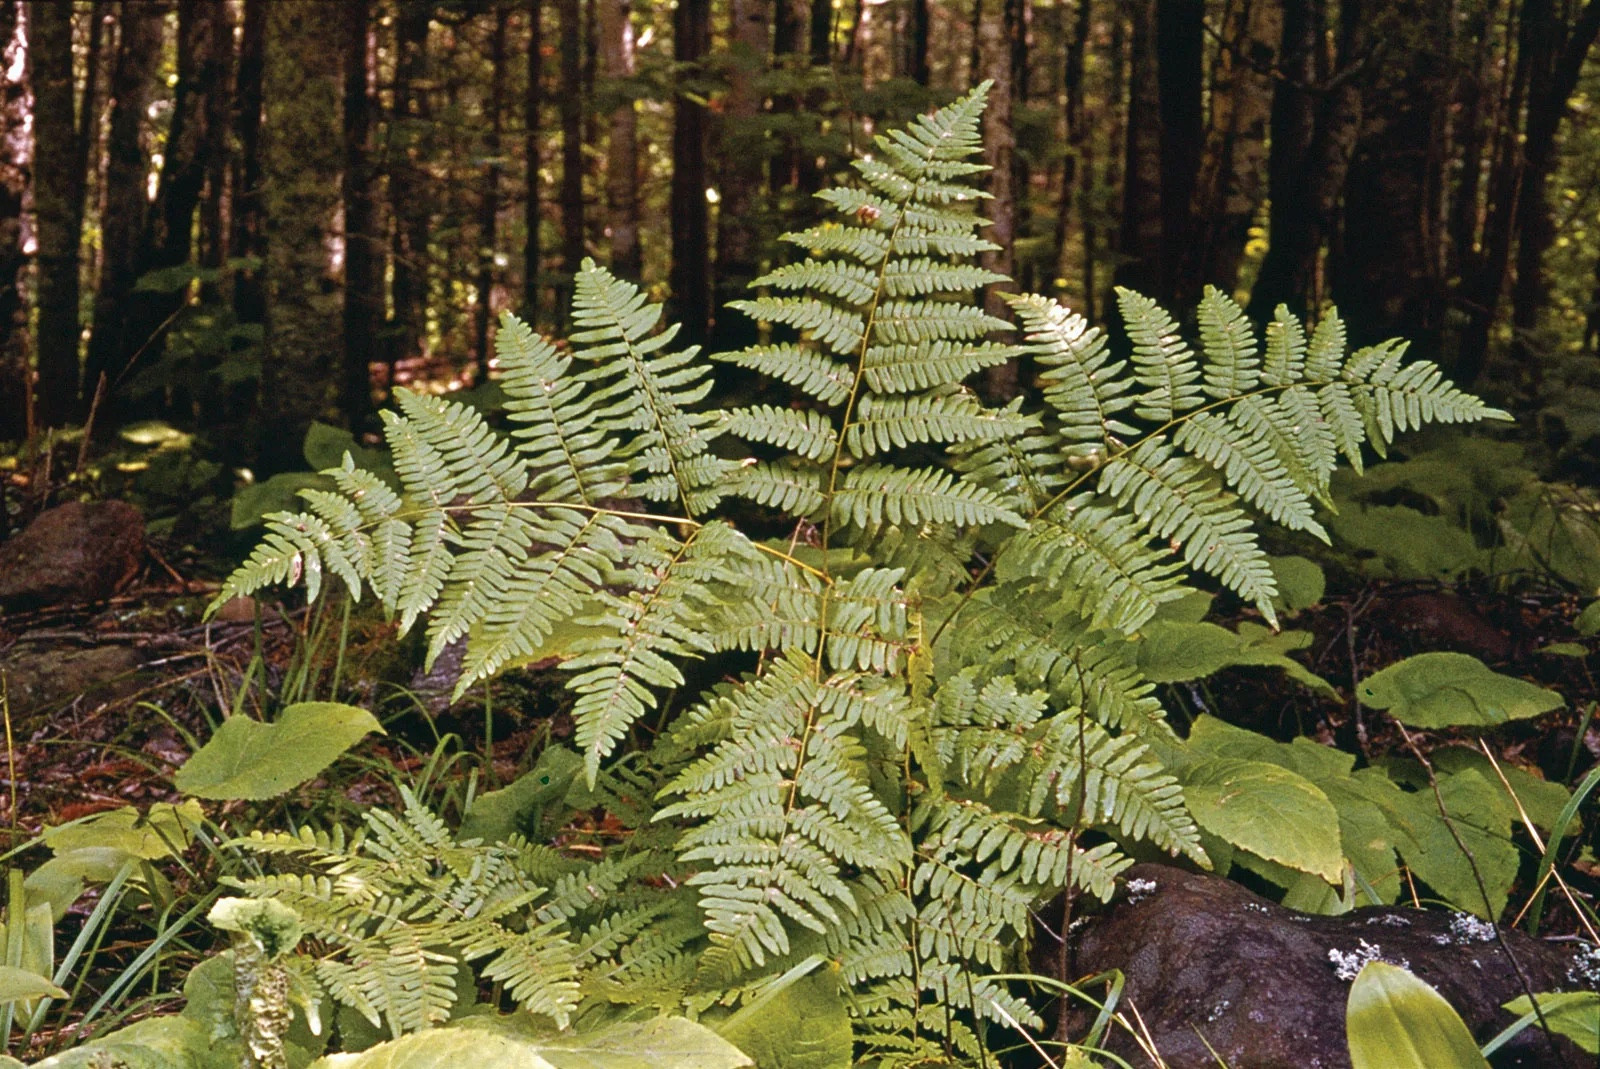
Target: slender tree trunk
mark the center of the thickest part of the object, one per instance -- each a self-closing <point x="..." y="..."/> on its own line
<point x="168" y="241"/>
<point x="489" y="206"/>
<point x="921" y="28"/>
<point x="116" y="338"/>
<point x="691" y="284"/>
<point x="1139" y="238"/>
<point x="363" y="316"/>
<point x="741" y="151"/>
<point x="215" y="151"/>
<point x="1231" y="186"/>
<point x="16" y="168"/>
<point x="572" y="236"/>
<point x="249" y="239"/>
<point x="56" y="211"/>
<point x="788" y="42"/>
<point x="1385" y="274"/>
<point x="411" y="192"/>
<point x="1077" y="172"/>
<point x="998" y="48"/>
<point x="622" y="155"/>
<point x="302" y="157"/>
<point x="1180" y="42"/>
<point x="532" y="148"/>
<point x="1315" y="121"/>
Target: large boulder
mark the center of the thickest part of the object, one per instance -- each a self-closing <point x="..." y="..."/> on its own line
<point x="1216" y="971"/>
<point x="80" y="551"/>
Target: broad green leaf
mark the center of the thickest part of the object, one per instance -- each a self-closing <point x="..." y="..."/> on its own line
<point x="1481" y="814"/>
<point x="664" y="1043"/>
<point x="1440" y="690"/>
<point x="496" y="815"/>
<point x="1174" y="651"/>
<point x="1300" y="583"/>
<point x="1565" y="649"/>
<point x="1269" y="811"/>
<point x="156" y="1043"/>
<point x="1574" y="1014"/>
<point x="251" y="760"/>
<point x="1539" y="798"/>
<point x="1588" y="621"/>
<point x="19" y="984"/>
<point x="1406" y="543"/>
<point x="163" y="830"/>
<point x="1395" y="1021"/>
<point x="281" y="493"/>
<point x="799" y="1024"/>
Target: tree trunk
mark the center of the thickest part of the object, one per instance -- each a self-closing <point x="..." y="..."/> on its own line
<point x="1314" y="127"/>
<point x="249" y="239"/>
<point x="1180" y="43"/>
<point x="741" y="151"/>
<point x="622" y="155"/>
<point x="997" y="45"/>
<point x="1385" y="274"/>
<point x="215" y="151"/>
<point x="302" y="158"/>
<point x="691" y="285"/>
<point x="921" y="28"/>
<point x="363" y="242"/>
<point x="572" y="238"/>
<point x="489" y="206"/>
<point x="1230" y="188"/>
<point x="168" y="240"/>
<point x="1139" y="237"/>
<point x="410" y="186"/>
<point x="117" y="337"/>
<point x="16" y="166"/>
<point x="56" y="211"/>
<point x="1077" y="171"/>
<point x="532" y="147"/>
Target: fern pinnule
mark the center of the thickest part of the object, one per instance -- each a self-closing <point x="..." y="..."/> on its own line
<point x="1163" y="363"/>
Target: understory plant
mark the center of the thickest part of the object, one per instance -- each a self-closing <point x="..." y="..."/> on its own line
<point x="925" y="613"/>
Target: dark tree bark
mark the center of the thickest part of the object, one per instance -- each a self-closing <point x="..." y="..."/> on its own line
<point x="302" y="157"/>
<point x="1315" y="121"/>
<point x="690" y="279"/>
<point x="532" y="147"/>
<point x="489" y="205"/>
<point x="917" y="67"/>
<point x="249" y="240"/>
<point x="363" y="243"/>
<point x="169" y="234"/>
<point x="411" y="192"/>
<point x="1077" y="170"/>
<point x="573" y="245"/>
<point x="741" y="152"/>
<point x="1139" y="237"/>
<point x="215" y="151"/>
<point x="1231" y="186"/>
<point x="622" y="146"/>
<point x="998" y="48"/>
<point x="1550" y="55"/>
<point x="788" y="51"/>
<point x="1180" y="43"/>
<point x="116" y="338"/>
<point x="56" y="212"/>
<point x="16" y="168"/>
<point x="1385" y="273"/>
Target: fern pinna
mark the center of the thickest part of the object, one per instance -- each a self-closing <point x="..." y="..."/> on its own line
<point x="945" y="724"/>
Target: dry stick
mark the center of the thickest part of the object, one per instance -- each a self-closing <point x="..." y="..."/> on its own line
<point x="1483" y="889"/>
<point x="1538" y="842"/>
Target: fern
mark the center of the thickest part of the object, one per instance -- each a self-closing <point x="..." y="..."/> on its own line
<point x="935" y="719"/>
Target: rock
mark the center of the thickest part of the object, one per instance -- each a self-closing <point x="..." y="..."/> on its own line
<point x="80" y="551"/>
<point x="39" y="678"/>
<point x="1266" y="986"/>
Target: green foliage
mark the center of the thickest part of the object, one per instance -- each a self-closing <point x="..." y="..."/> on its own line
<point x="249" y="759"/>
<point x="1396" y="1021"/>
<point x="945" y="722"/>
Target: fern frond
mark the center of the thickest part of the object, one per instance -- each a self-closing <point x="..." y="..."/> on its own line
<point x="927" y="364"/>
<point x="804" y="432"/>
<point x="866" y="245"/>
<point x="1162" y="362"/>
<point x="478" y="464"/>
<point x="804" y="368"/>
<point x="1250" y="465"/>
<point x="880" y="424"/>
<point x="1083" y="387"/>
<point x="875" y="494"/>
<point x="1285" y="358"/>
<point x="914" y="278"/>
<point x="910" y="322"/>
<point x="1325" y="353"/>
<point x="1233" y="363"/>
<point x="839" y="330"/>
<point x="1171" y="494"/>
<point x="556" y="419"/>
<point x="539" y="967"/>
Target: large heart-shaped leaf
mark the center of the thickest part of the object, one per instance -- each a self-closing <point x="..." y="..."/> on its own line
<point x="1395" y="1021"/>
<point x="251" y="760"/>
<point x="1441" y="690"/>
<point x="1269" y="811"/>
